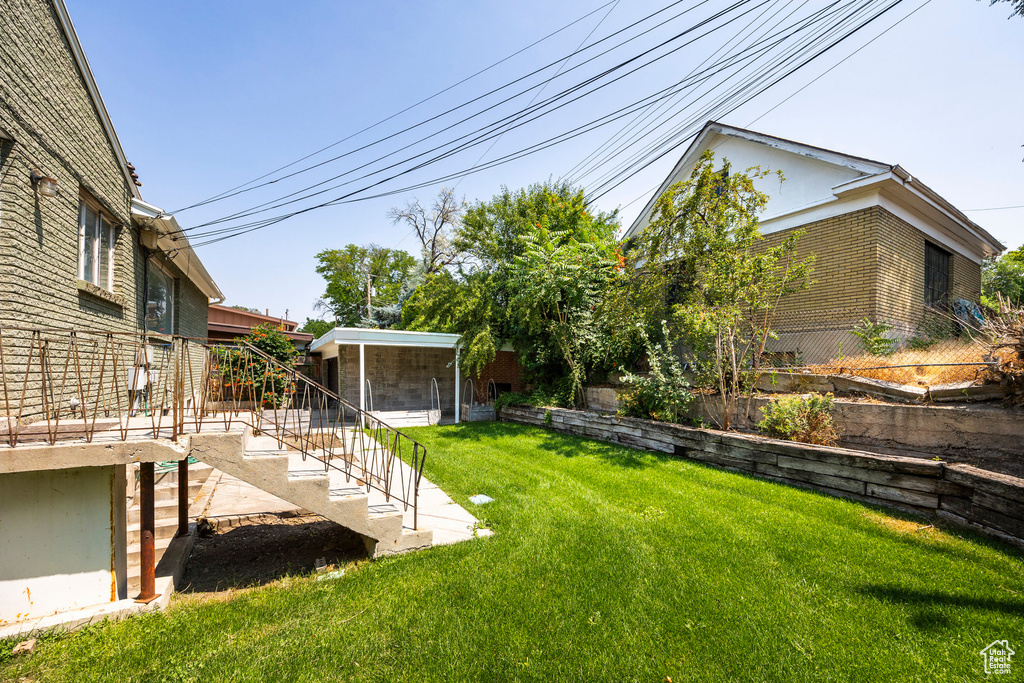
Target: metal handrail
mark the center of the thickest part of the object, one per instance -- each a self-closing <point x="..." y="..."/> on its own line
<point x="436" y="392"/>
<point x="369" y="393"/>
<point x="379" y="463"/>
<point x="491" y="383"/>
<point x="73" y="385"/>
<point x="472" y="394"/>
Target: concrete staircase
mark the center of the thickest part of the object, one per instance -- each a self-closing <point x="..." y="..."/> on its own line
<point x="165" y="495"/>
<point x="259" y="461"/>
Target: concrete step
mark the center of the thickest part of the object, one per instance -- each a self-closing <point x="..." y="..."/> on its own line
<point x="162" y="528"/>
<point x="196" y="472"/>
<point x="160" y="545"/>
<point x="165" y="509"/>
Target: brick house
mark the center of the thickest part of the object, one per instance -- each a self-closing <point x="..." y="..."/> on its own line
<point x="85" y="264"/>
<point x="886" y="245"/>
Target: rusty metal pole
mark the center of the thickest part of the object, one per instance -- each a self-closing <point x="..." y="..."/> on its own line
<point x="147" y="542"/>
<point x="183" y="502"/>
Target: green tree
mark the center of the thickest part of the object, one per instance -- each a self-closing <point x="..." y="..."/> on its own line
<point x="533" y="265"/>
<point x="347" y="272"/>
<point x="1005" y="276"/>
<point x="704" y="245"/>
<point x="317" y="327"/>
<point x="249" y="378"/>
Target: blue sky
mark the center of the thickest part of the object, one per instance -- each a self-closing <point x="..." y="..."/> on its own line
<point x="206" y="96"/>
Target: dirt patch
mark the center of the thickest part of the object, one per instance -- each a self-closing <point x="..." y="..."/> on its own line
<point x="259" y="551"/>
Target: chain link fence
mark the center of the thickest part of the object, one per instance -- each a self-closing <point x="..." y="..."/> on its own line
<point x="939" y="349"/>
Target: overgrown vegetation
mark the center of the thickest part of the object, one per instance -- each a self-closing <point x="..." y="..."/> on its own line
<point x="532" y="270"/>
<point x="661" y="394"/>
<point x="804" y="418"/>
<point x="703" y="258"/>
<point x="873" y="337"/>
<point x="607" y="564"/>
<point x="1003" y="335"/>
<point x="1003" y="277"/>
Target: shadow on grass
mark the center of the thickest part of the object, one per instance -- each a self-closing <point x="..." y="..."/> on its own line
<point x="931" y="599"/>
<point x="566" y="445"/>
<point x="256" y="554"/>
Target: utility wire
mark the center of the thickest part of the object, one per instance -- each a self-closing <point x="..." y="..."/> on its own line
<point x="398" y="113"/>
<point x="242" y="188"/>
<point x="347" y="198"/>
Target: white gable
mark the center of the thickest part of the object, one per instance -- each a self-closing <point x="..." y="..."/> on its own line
<point x="820" y="183"/>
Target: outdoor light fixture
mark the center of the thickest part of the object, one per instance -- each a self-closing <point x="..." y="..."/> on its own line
<point x="45" y="186"/>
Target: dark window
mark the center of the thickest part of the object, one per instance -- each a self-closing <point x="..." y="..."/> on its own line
<point x="936" y="276"/>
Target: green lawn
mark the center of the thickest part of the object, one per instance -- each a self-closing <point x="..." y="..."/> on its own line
<point x="608" y="564"/>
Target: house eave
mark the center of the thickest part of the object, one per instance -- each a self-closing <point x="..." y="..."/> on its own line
<point x="173" y="242"/>
<point x="94" y="93"/>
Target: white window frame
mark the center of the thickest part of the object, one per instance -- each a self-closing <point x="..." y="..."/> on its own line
<point x="153" y="263"/>
<point x="102" y="239"/>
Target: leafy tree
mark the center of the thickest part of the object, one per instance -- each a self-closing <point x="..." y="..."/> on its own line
<point x="247" y="309"/>
<point x="704" y="247"/>
<point x="317" y="327"/>
<point x="1016" y="6"/>
<point x="346" y="271"/>
<point x="534" y="263"/>
<point x="1003" y="276"/>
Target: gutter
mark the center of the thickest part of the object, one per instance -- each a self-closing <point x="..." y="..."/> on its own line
<point x="171" y="240"/>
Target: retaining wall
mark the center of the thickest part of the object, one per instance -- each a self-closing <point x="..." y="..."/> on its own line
<point x="986" y="436"/>
<point x="988" y="502"/>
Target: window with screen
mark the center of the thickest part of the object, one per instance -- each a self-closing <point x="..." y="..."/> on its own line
<point x="936" y="276"/>
<point x="97" y="239"/>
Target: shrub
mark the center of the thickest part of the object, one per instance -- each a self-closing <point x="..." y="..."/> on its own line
<point x="540" y="398"/>
<point x="248" y="378"/>
<point x="663" y="392"/>
<point x="806" y="418"/>
<point x="872" y="336"/>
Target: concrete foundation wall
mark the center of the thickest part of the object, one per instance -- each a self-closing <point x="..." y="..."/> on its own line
<point x="58" y="535"/>
<point x="961" y="494"/>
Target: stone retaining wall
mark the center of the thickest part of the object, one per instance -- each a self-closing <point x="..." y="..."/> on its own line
<point x="964" y="495"/>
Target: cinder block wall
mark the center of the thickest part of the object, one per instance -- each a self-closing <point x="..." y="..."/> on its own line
<point x="399" y="377"/>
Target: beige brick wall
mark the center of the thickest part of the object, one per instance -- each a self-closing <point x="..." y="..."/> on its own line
<point x="901" y="284"/>
<point x="868" y="263"/>
<point x="846" y="272"/>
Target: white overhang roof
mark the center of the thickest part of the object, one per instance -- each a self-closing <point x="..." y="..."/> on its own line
<point x="173" y="242"/>
<point x="371" y="337"/>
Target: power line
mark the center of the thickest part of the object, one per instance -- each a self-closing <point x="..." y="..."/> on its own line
<point x="400" y="112"/>
<point x="348" y="197"/>
<point x="483" y="136"/>
<point x="238" y="190"/>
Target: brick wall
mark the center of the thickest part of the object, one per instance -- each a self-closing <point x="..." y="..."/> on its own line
<point x="868" y="263"/>
<point x="504" y="369"/>
<point x="45" y="107"/>
<point x="901" y="291"/>
<point x="846" y="270"/>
